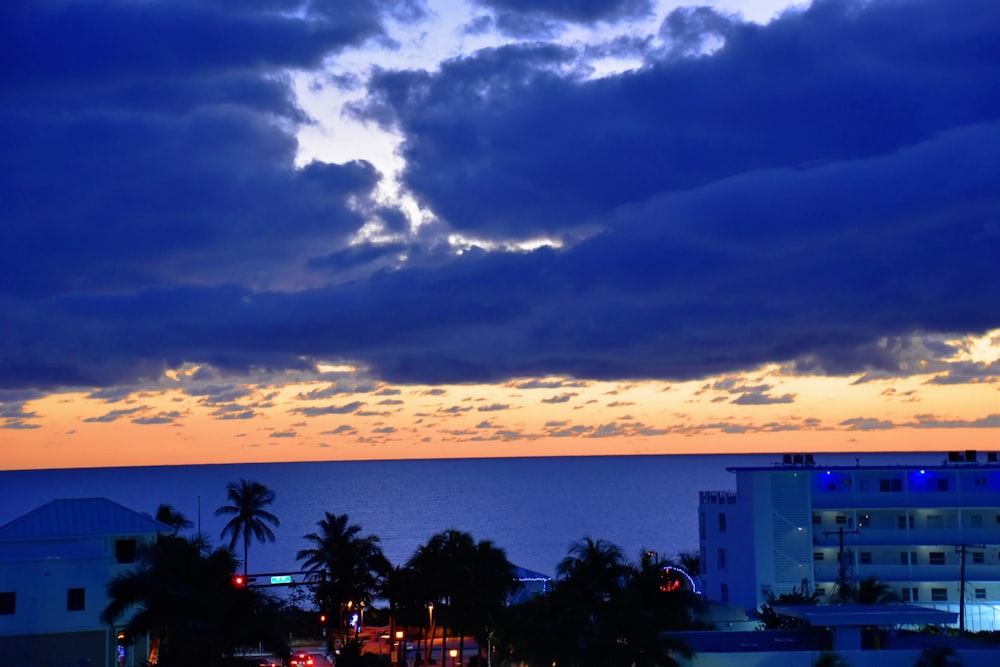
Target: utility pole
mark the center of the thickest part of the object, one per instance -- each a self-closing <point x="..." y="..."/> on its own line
<point x="842" y="573"/>
<point x="961" y="549"/>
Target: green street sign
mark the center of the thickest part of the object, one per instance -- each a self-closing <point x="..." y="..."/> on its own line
<point x="281" y="579"/>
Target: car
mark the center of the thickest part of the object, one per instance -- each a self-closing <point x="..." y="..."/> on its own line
<point x="301" y="659"/>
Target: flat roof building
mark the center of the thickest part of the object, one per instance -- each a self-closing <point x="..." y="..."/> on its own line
<point x="932" y="533"/>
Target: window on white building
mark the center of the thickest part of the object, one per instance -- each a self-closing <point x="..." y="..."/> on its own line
<point x="841" y="518"/>
<point x="939" y="594"/>
<point x="980" y="593"/>
<point x="893" y="485"/>
<point x="936" y="558"/>
<point x="701" y="525"/>
<point x="865" y="558"/>
<point x="935" y="521"/>
<point x="722" y="522"/>
<point x="8" y="603"/>
<point x="909" y="594"/>
<point x="75" y="599"/>
<point x="978" y="557"/>
<point x="125" y="551"/>
<point x="817" y="519"/>
<point x="724" y="592"/>
<point x="817" y="555"/>
<point x="976" y="520"/>
<point x="722" y="559"/>
<point x="942" y="484"/>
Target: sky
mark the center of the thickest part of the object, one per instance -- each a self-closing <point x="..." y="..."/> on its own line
<point x="386" y="229"/>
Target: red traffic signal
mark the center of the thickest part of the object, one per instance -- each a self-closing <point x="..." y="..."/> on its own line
<point x="239" y="581"/>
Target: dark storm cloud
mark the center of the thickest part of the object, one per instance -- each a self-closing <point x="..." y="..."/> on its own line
<point x="813" y="188"/>
<point x="521" y="12"/>
<point x="150" y="142"/>
<point x="500" y="144"/>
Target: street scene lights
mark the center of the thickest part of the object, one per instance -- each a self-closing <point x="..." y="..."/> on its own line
<point x="454" y="656"/>
<point x="402" y="647"/>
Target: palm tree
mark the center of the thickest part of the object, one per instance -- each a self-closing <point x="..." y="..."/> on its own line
<point x="250" y="519"/>
<point x="483" y="600"/>
<point x="594" y="567"/>
<point x="180" y="594"/>
<point x="445" y="566"/>
<point x="167" y="514"/>
<point x="343" y="564"/>
<point x="868" y="591"/>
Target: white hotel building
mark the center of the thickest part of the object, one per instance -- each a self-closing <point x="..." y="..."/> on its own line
<point x="932" y="533"/>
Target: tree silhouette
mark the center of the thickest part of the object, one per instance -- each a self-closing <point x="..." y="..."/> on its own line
<point x="249" y="518"/>
<point x="602" y="612"/>
<point x="166" y="513"/>
<point x="868" y="591"/>
<point x="343" y="564"/>
<point x="181" y="594"/>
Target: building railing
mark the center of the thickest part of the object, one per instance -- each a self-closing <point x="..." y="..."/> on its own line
<point x="717" y="497"/>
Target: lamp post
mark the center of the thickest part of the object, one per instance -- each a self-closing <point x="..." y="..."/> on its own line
<point x="454" y="657"/>
<point x="402" y="647"/>
<point x="430" y="632"/>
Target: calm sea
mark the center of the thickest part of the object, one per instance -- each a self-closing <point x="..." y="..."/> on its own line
<point x="534" y="508"/>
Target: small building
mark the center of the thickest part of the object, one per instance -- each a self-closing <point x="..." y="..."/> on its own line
<point x="55" y="565"/>
<point x="930" y="532"/>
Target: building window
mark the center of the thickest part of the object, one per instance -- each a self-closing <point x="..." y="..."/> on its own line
<point x="722" y="559"/>
<point x="910" y="594"/>
<point x="904" y="521"/>
<point x="8" y="603"/>
<point x="978" y="557"/>
<point x="980" y="481"/>
<point x="890" y="485"/>
<point x="936" y="558"/>
<point x="942" y="484"/>
<point x="701" y="525"/>
<point x="817" y="555"/>
<point x="125" y="551"/>
<point x="935" y="521"/>
<point x="904" y="594"/>
<point x="910" y="560"/>
<point x="939" y="594"/>
<point x="980" y="593"/>
<point x="75" y="599"/>
<point x="817" y="519"/>
<point x="841" y="518"/>
<point x="819" y="590"/>
<point x="724" y="592"/>
<point x="865" y="558"/>
<point x="976" y="520"/>
<point x="722" y="522"/>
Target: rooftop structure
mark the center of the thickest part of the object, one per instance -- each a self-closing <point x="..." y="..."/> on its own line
<point x="932" y="533"/>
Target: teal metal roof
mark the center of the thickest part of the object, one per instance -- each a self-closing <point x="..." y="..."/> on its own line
<point x="80" y="517"/>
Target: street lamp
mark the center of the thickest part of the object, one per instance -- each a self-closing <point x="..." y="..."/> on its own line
<point x="430" y="632"/>
<point x="454" y="656"/>
<point x="402" y="646"/>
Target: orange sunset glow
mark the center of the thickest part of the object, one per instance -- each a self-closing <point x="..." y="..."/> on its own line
<point x="351" y="417"/>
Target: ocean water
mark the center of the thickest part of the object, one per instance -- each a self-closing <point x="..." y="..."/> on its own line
<point x="533" y="508"/>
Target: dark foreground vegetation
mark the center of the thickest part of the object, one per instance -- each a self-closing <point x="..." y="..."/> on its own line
<point x="602" y="609"/>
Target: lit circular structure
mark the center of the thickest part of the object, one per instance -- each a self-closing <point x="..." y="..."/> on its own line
<point x="673" y="578"/>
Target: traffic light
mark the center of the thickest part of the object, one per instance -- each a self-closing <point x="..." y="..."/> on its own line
<point x="239" y="581"/>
